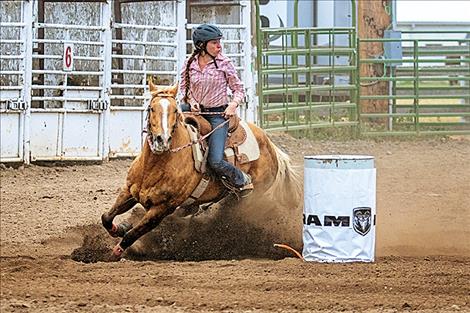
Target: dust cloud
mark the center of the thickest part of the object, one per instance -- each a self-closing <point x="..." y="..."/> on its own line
<point x="248" y="229"/>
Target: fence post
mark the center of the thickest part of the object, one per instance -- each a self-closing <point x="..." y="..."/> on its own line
<point x="107" y="66"/>
<point x="181" y="22"/>
<point x="416" y="84"/>
<point x="250" y="111"/>
<point x="27" y="12"/>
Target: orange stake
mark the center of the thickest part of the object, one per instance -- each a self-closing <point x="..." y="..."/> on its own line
<point x="278" y="245"/>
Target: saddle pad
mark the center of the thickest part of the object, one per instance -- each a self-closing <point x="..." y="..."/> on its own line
<point x="248" y="150"/>
<point x="197" y="151"/>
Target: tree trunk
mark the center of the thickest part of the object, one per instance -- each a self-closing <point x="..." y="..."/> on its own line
<point x="372" y="21"/>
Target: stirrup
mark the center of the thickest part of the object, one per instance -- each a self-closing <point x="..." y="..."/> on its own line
<point x="240" y="192"/>
<point x="246" y="189"/>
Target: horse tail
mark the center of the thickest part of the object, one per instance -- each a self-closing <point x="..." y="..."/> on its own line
<point x="287" y="185"/>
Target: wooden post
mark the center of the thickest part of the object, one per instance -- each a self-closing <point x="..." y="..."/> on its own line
<point x="372" y="20"/>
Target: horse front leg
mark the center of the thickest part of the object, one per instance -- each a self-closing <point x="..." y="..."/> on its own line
<point x="151" y="219"/>
<point x="123" y="203"/>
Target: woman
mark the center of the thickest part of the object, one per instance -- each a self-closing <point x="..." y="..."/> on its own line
<point x="204" y="80"/>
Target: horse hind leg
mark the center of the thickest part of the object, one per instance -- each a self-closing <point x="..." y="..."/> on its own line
<point x="123" y="203"/>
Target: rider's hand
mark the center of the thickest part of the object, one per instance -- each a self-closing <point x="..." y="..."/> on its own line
<point x="231" y="110"/>
<point x="195" y="107"/>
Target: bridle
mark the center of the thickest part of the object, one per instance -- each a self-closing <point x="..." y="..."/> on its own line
<point x="149" y="136"/>
<point x="147" y="130"/>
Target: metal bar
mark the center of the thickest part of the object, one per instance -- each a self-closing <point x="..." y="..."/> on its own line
<point x="62" y="41"/>
<point x="11" y="41"/>
<point x="221" y="26"/>
<point x="106" y="37"/>
<point x="129" y="97"/>
<point x="313" y="69"/>
<point x="144" y="72"/>
<point x="382" y="97"/>
<point x="69" y="26"/>
<point x="61" y="98"/>
<point x="316" y="51"/>
<point x="59" y="57"/>
<point x="148" y="43"/>
<point x="148" y="27"/>
<point x="10" y="87"/>
<point x="435" y="60"/>
<point x="12" y="72"/>
<point x="411" y="78"/>
<point x="62" y="87"/>
<point x="295" y="89"/>
<point x="319" y="30"/>
<point x="12" y="24"/>
<point x="411" y="40"/>
<point x="259" y="64"/>
<point x="27" y="80"/>
<point x="143" y="57"/>
<point x="60" y="72"/>
<point x="11" y="57"/>
<point x="128" y="108"/>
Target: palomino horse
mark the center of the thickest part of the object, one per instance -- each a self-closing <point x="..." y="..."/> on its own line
<point x="162" y="177"/>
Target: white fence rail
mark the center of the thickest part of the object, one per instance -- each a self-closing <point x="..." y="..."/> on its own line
<point x="73" y="88"/>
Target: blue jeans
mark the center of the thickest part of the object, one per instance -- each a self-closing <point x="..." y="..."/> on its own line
<point x="216" y="142"/>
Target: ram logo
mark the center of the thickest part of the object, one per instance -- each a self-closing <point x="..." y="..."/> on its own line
<point x="362" y="220"/>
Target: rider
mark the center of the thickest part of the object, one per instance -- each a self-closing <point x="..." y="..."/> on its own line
<point x="205" y="77"/>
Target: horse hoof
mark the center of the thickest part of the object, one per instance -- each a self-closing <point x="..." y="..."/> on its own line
<point x="117" y="251"/>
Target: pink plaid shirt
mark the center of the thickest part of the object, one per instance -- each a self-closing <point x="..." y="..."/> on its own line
<point x="209" y="87"/>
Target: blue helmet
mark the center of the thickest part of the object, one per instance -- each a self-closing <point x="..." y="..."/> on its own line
<point x="205" y="32"/>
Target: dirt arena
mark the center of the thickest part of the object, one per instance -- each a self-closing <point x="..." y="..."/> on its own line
<point x="50" y="216"/>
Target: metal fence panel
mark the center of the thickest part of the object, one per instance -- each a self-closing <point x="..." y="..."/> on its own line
<point x="303" y="84"/>
<point x="145" y="44"/>
<point x="70" y="83"/>
<point x="15" y="59"/>
<point x="429" y="87"/>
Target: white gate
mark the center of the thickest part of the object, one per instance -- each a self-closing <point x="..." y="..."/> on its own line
<point x="70" y="83"/>
<point x="148" y="47"/>
<point x="74" y="85"/>
<point x="15" y="58"/>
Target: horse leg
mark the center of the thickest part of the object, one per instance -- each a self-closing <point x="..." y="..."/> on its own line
<point x="123" y="203"/>
<point x="151" y="219"/>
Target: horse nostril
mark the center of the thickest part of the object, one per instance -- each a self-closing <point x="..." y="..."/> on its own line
<point x="159" y="139"/>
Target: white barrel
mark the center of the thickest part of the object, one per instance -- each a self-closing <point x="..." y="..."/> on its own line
<point x="339" y="208"/>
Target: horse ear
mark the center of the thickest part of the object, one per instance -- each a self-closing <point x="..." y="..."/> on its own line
<point x="173" y="89"/>
<point x="152" y="87"/>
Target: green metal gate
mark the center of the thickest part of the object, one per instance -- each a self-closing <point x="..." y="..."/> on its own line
<point x="309" y="78"/>
<point x="306" y="77"/>
<point x="429" y="87"/>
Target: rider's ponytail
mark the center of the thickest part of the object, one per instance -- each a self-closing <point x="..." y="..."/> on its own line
<point x="186" y="74"/>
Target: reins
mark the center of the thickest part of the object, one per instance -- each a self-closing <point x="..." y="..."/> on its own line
<point x="192" y="142"/>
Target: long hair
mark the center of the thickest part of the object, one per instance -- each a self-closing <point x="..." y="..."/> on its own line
<point x="186" y="73"/>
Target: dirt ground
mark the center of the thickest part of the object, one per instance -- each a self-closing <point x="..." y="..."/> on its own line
<point x="50" y="219"/>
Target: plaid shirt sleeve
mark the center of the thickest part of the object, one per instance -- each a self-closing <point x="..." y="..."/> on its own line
<point x="234" y="82"/>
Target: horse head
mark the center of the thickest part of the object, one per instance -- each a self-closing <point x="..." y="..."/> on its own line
<point x="163" y="116"/>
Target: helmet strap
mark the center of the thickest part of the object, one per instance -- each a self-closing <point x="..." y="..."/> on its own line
<point x="204" y="49"/>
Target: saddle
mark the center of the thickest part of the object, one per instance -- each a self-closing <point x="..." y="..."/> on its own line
<point x="241" y="145"/>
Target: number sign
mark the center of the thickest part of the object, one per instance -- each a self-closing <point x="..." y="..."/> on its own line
<point x="68" y="57"/>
